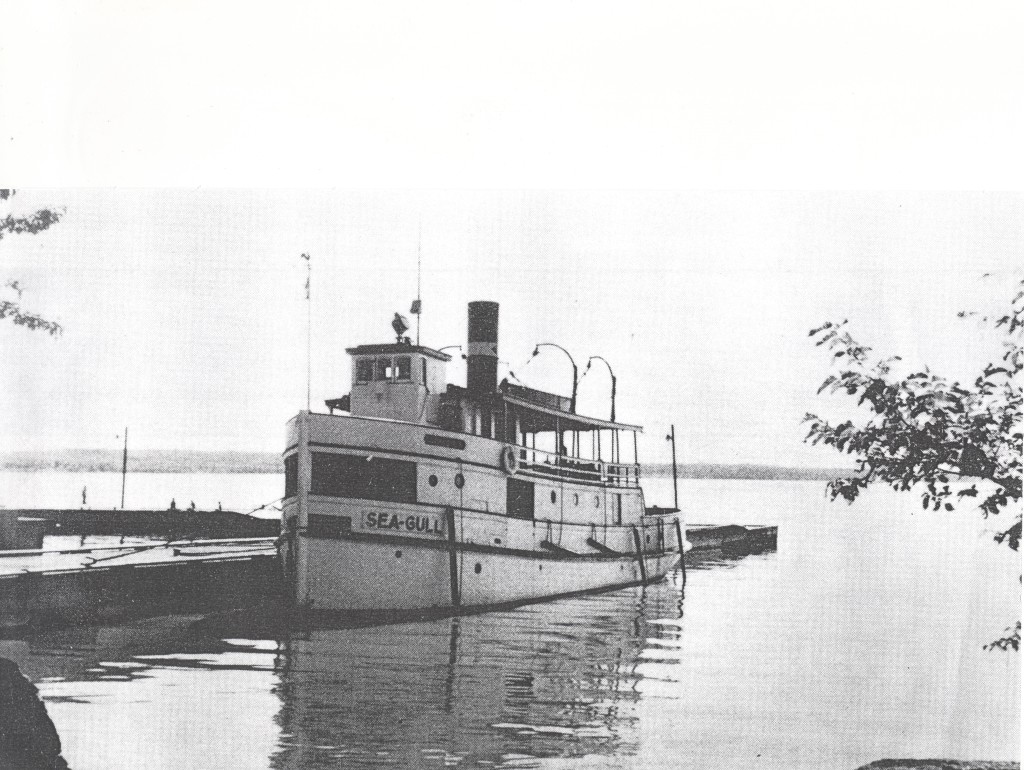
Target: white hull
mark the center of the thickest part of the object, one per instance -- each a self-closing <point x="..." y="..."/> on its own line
<point x="451" y="542"/>
<point x="366" y="576"/>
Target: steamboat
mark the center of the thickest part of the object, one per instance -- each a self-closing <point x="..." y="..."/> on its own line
<point x="426" y="496"/>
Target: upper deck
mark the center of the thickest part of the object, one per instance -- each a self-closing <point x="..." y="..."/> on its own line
<point x="406" y="383"/>
<point x="541" y="411"/>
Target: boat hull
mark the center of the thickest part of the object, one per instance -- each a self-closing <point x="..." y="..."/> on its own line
<point x="358" y="576"/>
<point x="390" y="517"/>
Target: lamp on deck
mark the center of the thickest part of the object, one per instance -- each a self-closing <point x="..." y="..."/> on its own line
<point x="599" y="358"/>
<point x="575" y="371"/>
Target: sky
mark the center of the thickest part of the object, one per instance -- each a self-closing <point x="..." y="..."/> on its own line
<point x="682" y="188"/>
<point x="185" y="311"/>
<point x="737" y="94"/>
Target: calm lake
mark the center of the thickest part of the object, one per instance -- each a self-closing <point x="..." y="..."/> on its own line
<point x="859" y="639"/>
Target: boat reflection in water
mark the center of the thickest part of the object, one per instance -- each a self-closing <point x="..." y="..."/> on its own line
<point x="555" y="679"/>
<point x="552" y="679"/>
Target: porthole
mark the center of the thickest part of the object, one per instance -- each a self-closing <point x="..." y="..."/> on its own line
<point x="554" y="496"/>
<point x="497" y="541"/>
<point x="398" y="554"/>
<point x="540" y="567"/>
<point x="460" y="480"/>
<point x="478" y="568"/>
<point x="432" y="480"/>
<point x="575" y="499"/>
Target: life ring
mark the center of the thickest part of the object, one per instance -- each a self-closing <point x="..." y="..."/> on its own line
<point x="509" y="460"/>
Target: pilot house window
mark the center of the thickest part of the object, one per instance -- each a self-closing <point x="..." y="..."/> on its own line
<point x="291" y="476"/>
<point x="383" y="368"/>
<point x="403" y="368"/>
<point x="364" y="369"/>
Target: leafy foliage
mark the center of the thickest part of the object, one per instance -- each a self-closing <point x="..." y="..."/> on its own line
<point x="957" y="444"/>
<point x="10" y="306"/>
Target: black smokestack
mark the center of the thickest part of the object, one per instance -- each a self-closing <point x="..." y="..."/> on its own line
<point x="482" y="350"/>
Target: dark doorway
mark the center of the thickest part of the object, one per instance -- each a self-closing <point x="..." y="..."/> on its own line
<point x="519" y="500"/>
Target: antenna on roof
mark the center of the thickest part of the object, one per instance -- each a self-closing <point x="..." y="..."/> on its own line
<point x="309" y="329"/>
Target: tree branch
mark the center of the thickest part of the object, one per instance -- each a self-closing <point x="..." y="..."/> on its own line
<point x="33" y="321"/>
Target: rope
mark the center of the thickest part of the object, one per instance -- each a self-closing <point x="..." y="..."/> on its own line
<point x="527" y="362"/>
<point x="272" y="505"/>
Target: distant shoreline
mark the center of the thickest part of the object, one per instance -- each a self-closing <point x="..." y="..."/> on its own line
<point x="747" y="472"/>
<point x="178" y="461"/>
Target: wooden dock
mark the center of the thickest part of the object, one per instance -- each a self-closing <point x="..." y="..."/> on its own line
<point x="123" y="577"/>
<point x="732" y="537"/>
<point x="111" y="583"/>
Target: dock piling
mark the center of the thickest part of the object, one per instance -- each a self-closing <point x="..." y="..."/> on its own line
<point x="682" y="550"/>
<point x="640" y="555"/>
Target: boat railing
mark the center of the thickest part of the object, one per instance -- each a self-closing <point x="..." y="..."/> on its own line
<point x="654" y="532"/>
<point x="567" y="467"/>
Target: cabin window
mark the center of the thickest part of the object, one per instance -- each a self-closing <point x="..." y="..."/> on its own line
<point x="364" y="369"/>
<point x="329" y="527"/>
<point x="424" y="362"/>
<point x="403" y="368"/>
<point x="445" y="441"/>
<point x="375" y="478"/>
<point x="617" y="510"/>
<point x="519" y="499"/>
<point x="291" y="476"/>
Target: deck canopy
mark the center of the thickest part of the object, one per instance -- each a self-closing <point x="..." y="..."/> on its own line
<point x="541" y="412"/>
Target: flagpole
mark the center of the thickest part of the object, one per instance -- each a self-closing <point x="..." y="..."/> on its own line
<point x="419" y="254"/>
<point x="675" y="473"/>
<point x="124" y="465"/>
<point x="309" y="331"/>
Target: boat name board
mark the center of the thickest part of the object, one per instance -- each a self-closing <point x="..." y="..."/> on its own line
<point x="413" y="524"/>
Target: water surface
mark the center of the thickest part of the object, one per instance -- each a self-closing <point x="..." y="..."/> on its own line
<point x="860" y="638"/>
